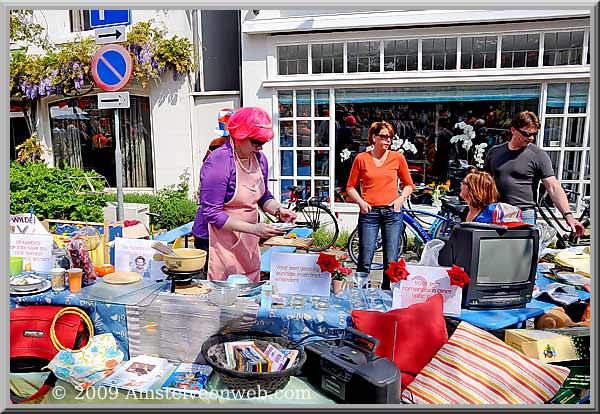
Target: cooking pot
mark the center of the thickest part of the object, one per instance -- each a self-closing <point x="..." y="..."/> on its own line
<point x="191" y="260"/>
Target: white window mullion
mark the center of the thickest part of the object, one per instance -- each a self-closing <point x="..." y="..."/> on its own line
<point x="276" y="154"/>
<point x="345" y="57"/>
<point x="459" y="52"/>
<point x="309" y="69"/>
<point x="563" y="132"/>
<point x="331" y="146"/>
<point x="541" y="51"/>
<point x="381" y="56"/>
<point x="542" y="111"/>
<point x="499" y="52"/>
<point x="586" y="40"/>
<point x="420" y="55"/>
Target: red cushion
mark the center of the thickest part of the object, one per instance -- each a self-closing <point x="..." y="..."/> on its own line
<point x="420" y="331"/>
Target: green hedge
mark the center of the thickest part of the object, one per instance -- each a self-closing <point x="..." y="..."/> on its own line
<point x="173" y="207"/>
<point x="52" y="192"/>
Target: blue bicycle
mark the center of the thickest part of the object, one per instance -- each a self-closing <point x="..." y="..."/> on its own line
<point x="423" y="230"/>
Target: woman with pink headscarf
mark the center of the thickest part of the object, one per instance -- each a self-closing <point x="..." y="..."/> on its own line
<point x="234" y="185"/>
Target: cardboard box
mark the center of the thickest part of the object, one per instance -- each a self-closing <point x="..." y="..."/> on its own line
<point x="548" y="346"/>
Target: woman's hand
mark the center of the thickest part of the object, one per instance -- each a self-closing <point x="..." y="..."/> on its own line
<point x="265" y="230"/>
<point x="287" y="215"/>
<point x="397" y="204"/>
<point x="364" y="207"/>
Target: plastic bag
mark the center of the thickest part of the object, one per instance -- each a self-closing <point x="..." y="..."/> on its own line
<point x="431" y="252"/>
<point x="547" y="234"/>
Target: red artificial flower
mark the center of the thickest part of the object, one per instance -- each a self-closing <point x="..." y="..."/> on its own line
<point x="328" y="262"/>
<point x="458" y="276"/>
<point x="345" y="271"/>
<point x="397" y="271"/>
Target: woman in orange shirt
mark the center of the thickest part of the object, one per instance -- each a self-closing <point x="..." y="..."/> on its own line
<point x="380" y="204"/>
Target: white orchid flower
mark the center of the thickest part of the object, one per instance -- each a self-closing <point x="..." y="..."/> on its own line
<point x="345" y="154"/>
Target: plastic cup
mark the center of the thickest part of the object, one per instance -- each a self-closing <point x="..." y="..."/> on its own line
<point x="75" y="276"/>
<point x="16" y="265"/>
<point x="58" y="279"/>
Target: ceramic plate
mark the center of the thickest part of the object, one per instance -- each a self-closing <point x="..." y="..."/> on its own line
<point x="26" y="283"/>
<point x="122" y="278"/>
<point x="283" y="226"/>
<point x="44" y="287"/>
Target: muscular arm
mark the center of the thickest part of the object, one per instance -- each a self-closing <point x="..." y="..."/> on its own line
<point x="559" y="198"/>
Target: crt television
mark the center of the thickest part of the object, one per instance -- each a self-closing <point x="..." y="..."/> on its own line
<point x="500" y="262"/>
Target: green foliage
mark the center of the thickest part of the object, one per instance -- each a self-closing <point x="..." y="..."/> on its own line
<point x="322" y="237"/>
<point x="51" y="194"/>
<point x="24" y="29"/>
<point x="171" y="203"/>
<point x="30" y="151"/>
<point x="65" y="69"/>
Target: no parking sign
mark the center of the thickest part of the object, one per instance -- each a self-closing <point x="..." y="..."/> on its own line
<point x="112" y="67"/>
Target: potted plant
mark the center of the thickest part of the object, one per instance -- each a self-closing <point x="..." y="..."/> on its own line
<point x="330" y="263"/>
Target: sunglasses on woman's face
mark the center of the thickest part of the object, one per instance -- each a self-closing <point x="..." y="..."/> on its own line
<point x="527" y="134"/>
<point x="256" y="143"/>
<point x="386" y="137"/>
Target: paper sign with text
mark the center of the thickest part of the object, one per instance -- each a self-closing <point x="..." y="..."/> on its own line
<point x="424" y="282"/>
<point x="298" y="274"/>
<point x="26" y="223"/>
<point x="35" y="249"/>
<point x="135" y="255"/>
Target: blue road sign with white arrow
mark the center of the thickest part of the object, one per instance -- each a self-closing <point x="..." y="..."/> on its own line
<point x="106" y="18"/>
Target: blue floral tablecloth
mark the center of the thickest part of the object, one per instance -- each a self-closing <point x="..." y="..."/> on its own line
<point x="298" y="324"/>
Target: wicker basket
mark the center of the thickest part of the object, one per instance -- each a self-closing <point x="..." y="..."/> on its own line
<point x="260" y="382"/>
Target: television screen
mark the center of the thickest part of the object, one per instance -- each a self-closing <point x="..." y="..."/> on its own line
<point x="504" y="261"/>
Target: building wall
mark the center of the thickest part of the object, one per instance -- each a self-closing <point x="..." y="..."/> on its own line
<point x="262" y="33"/>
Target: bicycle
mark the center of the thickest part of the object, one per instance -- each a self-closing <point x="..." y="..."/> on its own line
<point x="312" y="213"/>
<point x="565" y="238"/>
<point x="442" y="225"/>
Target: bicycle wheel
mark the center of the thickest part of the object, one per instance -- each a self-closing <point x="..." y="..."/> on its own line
<point x="323" y="224"/>
<point x="377" y="263"/>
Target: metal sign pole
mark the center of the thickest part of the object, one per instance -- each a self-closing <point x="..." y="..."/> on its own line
<point x="119" y="166"/>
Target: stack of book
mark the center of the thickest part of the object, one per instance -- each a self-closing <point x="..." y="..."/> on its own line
<point x="246" y="356"/>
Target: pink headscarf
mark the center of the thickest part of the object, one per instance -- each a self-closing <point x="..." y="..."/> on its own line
<point x="251" y="122"/>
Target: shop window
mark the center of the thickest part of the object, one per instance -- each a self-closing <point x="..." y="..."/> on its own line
<point x="425" y="117"/>
<point x="304" y="145"/>
<point x="563" y="48"/>
<point x="520" y="50"/>
<point x="478" y="52"/>
<point x="439" y="54"/>
<point x="555" y="101"/>
<point x="575" y="128"/>
<point x="363" y="57"/>
<point x="83" y="136"/>
<point x="400" y="55"/>
<point x="552" y="132"/>
<point x="554" y="157"/>
<point x="292" y="60"/>
<point x="578" y="98"/>
<point x="571" y="165"/>
<point x="327" y="58"/>
<point x="19" y="132"/>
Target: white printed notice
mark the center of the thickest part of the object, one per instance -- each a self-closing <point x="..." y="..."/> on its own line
<point x="135" y="255"/>
<point x="26" y="223"/>
<point x="35" y="249"/>
<point x="424" y="282"/>
<point x="298" y="274"/>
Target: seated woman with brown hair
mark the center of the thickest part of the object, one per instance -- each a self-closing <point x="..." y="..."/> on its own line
<point x="479" y="190"/>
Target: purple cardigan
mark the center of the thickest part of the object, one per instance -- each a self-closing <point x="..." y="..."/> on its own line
<point x="217" y="187"/>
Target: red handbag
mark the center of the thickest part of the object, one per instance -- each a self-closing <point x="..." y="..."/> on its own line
<point x="31" y="347"/>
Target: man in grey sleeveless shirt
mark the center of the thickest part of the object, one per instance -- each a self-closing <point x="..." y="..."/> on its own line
<point x="519" y="165"/>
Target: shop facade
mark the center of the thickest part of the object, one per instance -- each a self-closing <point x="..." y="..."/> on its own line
<point x="423" y="80"/>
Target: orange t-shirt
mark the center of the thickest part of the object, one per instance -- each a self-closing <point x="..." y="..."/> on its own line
<point x="379" y="184"/>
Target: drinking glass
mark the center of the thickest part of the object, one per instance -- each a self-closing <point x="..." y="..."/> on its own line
<point x="58" y="279"/>
<point x="75" y="275"/>
<point x="320" y="303"/>
<point x="297" y="301"/>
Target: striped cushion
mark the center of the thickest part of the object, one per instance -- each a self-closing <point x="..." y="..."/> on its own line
<point x="475" y="367"/>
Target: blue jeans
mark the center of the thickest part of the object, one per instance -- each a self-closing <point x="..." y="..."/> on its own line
<point x="391" y="225"/>
<point x="529" y="216"/>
